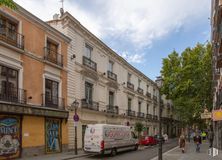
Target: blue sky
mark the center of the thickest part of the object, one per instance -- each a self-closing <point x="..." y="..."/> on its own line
<point x="142" y="31"/>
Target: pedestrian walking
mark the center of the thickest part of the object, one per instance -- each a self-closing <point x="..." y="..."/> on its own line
<point x="197" y="141"/>
<point x="182" y="142"/>
<point x="211" y="138"/>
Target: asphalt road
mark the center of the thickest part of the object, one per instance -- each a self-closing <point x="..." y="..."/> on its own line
<point x="142" y="154"/>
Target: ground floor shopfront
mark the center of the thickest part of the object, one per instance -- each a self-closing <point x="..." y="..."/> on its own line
<point x="27" y="131"/>
<point x="93" y="117"/>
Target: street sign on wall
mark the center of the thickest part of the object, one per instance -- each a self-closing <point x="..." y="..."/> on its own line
<point x="205" y="115"/>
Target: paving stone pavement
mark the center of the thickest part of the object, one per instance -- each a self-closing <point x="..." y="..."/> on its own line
<point x="190" y="153"/>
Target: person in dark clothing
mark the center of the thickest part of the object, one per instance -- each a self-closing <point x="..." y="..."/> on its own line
<point x="197" y="141"/>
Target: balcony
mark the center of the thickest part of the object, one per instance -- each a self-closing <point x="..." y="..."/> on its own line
<point x="140" y="90"/>
<point x="155" y="117"/>
<point x="112" y="75"/>
<point x="140" y="114"/>
<point x="130" y="113"/>
<point x="155" y="98"/>
<point x="11" y="37"/>
<point x="130" y="85"/>
<point x="90" y="105"/>
<point x="53" y="57"/>
<point x="148" y="94"/>
<point x="14" y="95"/>
<point x="53" y="101"/>
<point x="148" y="116"/>
<point x="89" y="63"/>
<point x="112" y="109"/>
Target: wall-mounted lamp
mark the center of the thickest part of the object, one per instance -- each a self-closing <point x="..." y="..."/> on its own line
<point x="73" y="56"/>
<point x="30" y="97"/>
<point x="124" y="83"/>
<point x="104" y="73"/>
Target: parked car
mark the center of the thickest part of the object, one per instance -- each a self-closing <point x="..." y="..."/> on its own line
<point x="148" y="140"/>
<point x="158" y="139"/>
<point x="109" y="139"/>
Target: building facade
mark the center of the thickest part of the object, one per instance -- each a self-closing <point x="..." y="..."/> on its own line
<point x="33" y="87"/>
<point x="216" y="30"/>
<point x="108" y="88"/>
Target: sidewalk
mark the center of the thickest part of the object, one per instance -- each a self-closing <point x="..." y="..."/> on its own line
<point x="58" y="156"/>
<point x="190" y="154"/>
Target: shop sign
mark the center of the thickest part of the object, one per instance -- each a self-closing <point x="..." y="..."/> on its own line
<point x="53" y="135"/>
<point x="9" y="137"/>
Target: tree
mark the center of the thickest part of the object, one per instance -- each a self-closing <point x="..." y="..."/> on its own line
<point x="138" y="128"/>
<point x="8" y="3"/>
<point x="187" y="81"/>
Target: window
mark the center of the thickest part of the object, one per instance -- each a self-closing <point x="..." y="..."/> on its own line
<point x="139" y="106"/>
<point x="51" y="92"/>
<point x="8" y="82"/>
<point x="154" y="92"/>
<point x="154" y="110"/>
<point x="139" y="83"/>
<point x="111" y="98"/>
<point x="147" y="88"/>
<point x="129" y="103"/>
<point x="147" y="108"/>
<point x="110" y="66"/>
<point x="129" y="77"/>
<point x="88" y="51"/>
<point x="88" y="92"/>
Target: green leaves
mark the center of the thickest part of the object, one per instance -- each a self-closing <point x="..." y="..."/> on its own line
<point x="8" y="3"/>
<point x="187" y="81"/>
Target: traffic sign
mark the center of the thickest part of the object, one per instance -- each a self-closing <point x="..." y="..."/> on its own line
<point x="76" y="118"/>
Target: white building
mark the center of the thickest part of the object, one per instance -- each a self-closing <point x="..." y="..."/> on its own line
<point x="108" y="88"/>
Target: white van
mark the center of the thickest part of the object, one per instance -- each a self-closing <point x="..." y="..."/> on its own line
<point x="105" y="138"/>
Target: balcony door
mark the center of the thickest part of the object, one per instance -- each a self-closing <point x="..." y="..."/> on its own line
<point x="52" y="50"/>
<point x="111" y="99"/>
<point x="88" y="92"/>
<point x="9" y="84"/>
<point x="51" y="93"/>
<point x="139" y="107"/>
<point x="129" y="104"/>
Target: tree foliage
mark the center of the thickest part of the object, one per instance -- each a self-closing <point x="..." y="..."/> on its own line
<point x="8" y="3"/>
<point x="138" y="128"/>
<point x="187" y="81"/>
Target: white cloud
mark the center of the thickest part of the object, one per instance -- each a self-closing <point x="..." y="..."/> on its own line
<point x="137" y="22"/>
<point x="133" y="58"/>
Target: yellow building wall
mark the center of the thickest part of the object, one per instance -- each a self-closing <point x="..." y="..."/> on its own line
<point x="64" y="125"/>
<point x="33" y="131"/>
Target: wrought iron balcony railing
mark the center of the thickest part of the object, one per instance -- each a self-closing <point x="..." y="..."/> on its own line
<point x="155" y="98"/>
<point x="89" y="63"/>
<point x="53" y="57"/>
<point x="131" y="113"/>
<point x="140" y="90"/>
<point x="140" y="114"/>
<point x="149" y="116"/>
<point x="155" y="117"/>
<point x="14" y="95"/>
<point x="88" y="104"/>
<point x="11" y="37"/>
<point x="112" y="75"/>
<point x="148" y="94"/>
<point x="130" y="85"/>
<point x="112" y="109"/>
<point x="53" y="101"/>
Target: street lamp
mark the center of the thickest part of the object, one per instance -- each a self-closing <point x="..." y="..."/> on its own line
<point x="75" y="105"/>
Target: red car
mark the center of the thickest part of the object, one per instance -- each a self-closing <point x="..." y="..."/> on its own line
<point x="148" y="140"/>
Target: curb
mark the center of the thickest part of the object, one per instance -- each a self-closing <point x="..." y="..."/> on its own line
<point x="73" y="157"/>
<point x="155" y="158"/>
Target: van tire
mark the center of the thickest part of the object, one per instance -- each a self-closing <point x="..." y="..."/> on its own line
<point x="113" y="152"/>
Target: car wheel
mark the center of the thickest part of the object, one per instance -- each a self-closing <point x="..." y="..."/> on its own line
<point x="114" y="152"/>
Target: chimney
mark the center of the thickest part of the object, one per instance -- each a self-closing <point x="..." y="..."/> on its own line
<point x="61" y="12"/>
<point x="56" y="16"/>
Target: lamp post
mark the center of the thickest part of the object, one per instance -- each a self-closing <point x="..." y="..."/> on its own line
<point x="160" y="156"/>
<point x="75" y="105"/>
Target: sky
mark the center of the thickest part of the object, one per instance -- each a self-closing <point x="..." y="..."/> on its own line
<point x="141" y="31"/>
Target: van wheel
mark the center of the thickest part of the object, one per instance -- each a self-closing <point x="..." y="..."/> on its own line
<point x="136" y="147"/>
<point x="113" y="152"/>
